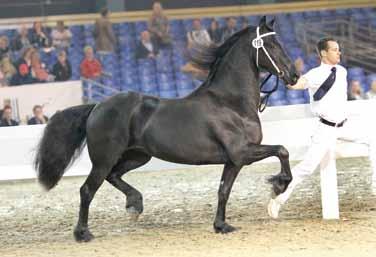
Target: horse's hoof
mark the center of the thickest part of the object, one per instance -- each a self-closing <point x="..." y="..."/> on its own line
<point x="133" y="213"/>
<point x="224" y="228"/>
<point x="83" y="235"/>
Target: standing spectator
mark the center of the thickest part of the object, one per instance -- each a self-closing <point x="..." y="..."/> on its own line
<point x="146" y="48"/>
<point x="159" y="27"/>
<point x="39" y="117"/>
<point x="23" y="66"/>
<point x="105" y="39"/>
<point x="62" y="69"/>
<point x="7" y="71"/>
<point x="38" y="71"/>
<point x="61" y="36"/>
<point x="90" y="67"/>
<point x="215" y="32"/>
<point x="39" y="36"/>
<point x="229" y="29"/>
<point x="6" y="118"/>
<point x="198" y="35"/>
<point x="371" y="94"/>
<point x="4" y="47"/>
<point x="355" y="91"/>
<point x="21" y="41"/>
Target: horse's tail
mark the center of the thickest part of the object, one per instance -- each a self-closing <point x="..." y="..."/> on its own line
<point x="62" y="142"/>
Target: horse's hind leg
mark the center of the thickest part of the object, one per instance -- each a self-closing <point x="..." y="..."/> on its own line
<point x="87" y="192"/>
<point x="130" y="161"/>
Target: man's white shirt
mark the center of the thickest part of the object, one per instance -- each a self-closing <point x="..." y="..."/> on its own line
<point x="332" y="106"/>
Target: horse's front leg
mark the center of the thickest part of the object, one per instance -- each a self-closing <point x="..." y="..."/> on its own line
<point x="230" y="172"/>
<point x="260" y="152"/>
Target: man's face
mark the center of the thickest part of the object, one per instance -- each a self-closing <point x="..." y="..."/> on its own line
<point x="231" y="23"/>
<point x="38" y="112"/>
<point x="196" y="25"/>
<point x="145" y="36"/>
<point x="7" y="114"/>
<point x="89" y="54"/>
<point x="62" y="57"/>
<point x="355" y="87"/>
<point x="332" y="54"/>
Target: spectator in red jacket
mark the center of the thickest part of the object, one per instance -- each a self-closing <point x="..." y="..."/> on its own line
<point x="90" y="67"/>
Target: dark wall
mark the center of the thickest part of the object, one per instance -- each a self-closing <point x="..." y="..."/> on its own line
<point x="132" y="5"/>
<point x="30" y="8"/>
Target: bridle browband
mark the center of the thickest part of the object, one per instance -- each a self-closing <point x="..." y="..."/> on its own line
<point x="258" y="43"/>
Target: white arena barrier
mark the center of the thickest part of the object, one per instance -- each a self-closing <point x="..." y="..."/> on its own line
<point x="290" y="126"/>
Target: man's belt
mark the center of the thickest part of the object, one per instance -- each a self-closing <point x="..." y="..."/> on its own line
<point x="332" y="124"/>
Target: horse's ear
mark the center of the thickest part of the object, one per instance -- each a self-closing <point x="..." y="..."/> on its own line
<point x="262" y="21"/>
<point x="271" y="24"/>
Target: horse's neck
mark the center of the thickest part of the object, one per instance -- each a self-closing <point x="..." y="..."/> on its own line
<point x="236" y="82"/>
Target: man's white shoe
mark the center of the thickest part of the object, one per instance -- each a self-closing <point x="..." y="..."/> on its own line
<point x="273" y="208"/>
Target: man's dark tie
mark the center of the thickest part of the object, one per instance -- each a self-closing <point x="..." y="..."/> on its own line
<point x="324" y="88"/>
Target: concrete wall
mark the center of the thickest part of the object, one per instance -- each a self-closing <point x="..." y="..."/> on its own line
<point x="291" y="126"/>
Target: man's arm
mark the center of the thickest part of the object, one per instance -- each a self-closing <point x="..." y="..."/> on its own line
<point x="300" y="84"/>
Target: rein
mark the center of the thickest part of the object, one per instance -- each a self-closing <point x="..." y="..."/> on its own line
<point x="264" y="100"/>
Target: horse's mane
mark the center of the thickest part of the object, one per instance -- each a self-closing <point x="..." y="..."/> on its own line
<point x="209" y="57"/>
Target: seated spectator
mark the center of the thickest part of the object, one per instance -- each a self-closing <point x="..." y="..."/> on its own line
<point x="371" y="94"/>
<point x="38" y="71"/>
<point x="21" y="41"/>
<point x="23" y="67"/>
<point x="4" y="47"/>
<point x="355" y="91"/>
<point x="6" y="118"/>
<point x="90" y="67"/>
<point x="158" y="27"/>
<point x="229" y="29"/>
<point x="62" y="69"/>
<point x="61" y="36"/>
<point x="215" y="32"/>
<point x="7" y="71"/>
<point x="39" y="117"/>
<point x="105" y="40"/>
<point x="198" y="35"/>
<point x="299" y="66"/>
<point x="39" y="36"/>
<point x="146" y="48"/>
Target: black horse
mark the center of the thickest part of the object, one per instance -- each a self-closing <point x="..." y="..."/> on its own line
<point x="216" y="124"/>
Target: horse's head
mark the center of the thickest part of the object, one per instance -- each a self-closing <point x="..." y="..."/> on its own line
<point x="270" y="55"/>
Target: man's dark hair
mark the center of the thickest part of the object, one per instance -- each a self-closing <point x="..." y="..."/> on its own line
<point x="104" y="11"/>
<point x="323" y="44"/>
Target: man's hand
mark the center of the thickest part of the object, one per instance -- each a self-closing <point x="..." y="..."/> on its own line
<point x="300" y="84"/>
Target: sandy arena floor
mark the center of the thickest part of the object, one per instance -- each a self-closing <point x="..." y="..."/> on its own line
<point x="178" y="216"/>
